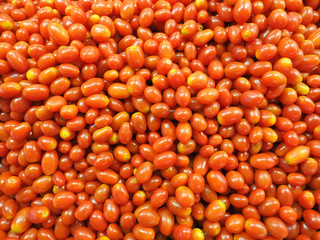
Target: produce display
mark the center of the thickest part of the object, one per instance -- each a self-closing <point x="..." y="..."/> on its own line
<point x="159" y="119"/>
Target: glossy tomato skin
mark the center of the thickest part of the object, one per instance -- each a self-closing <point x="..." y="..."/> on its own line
<point x="159" y="119"/>
<point x="230" y="115"/>
<point x="255" y="228"/>
<point x="64" y="200"/>
<point x="20" y="223"/>
<point x="242" y="11"/>
<point x="17" y="61"/>
<point x="58" y="33"/>
<point x="39" y="214"/>
<point x="274" y="224"/>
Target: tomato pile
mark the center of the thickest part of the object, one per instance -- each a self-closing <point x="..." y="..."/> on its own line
<point x="169" y="119"/>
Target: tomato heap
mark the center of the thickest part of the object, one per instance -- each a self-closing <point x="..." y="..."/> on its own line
<point x="169" y="119"/>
